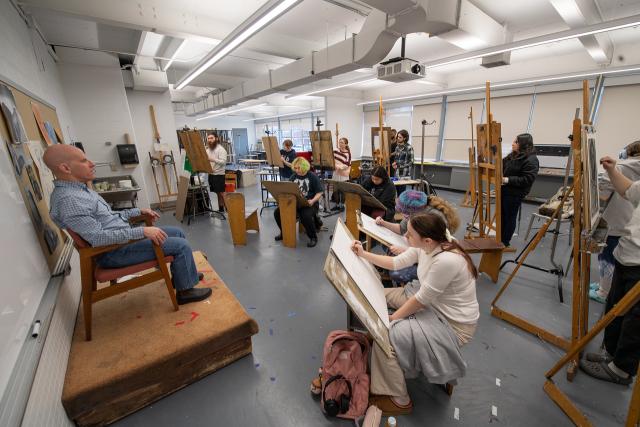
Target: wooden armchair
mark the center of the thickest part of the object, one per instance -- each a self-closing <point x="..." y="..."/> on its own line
<point x="91" y="273"/>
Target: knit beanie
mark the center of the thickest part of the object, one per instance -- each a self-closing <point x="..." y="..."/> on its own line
<point x="411" y="202"/>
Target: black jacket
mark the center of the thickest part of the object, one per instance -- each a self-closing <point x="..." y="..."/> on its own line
<point x="522" y="170"/>
<point x="385" y="193"/>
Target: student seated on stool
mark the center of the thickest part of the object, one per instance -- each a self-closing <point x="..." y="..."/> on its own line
<point x="381" y="187"/>
<point x="413" y="202"/>
<point x="311" y="188"/>
<point x="76" y="207"/>
<point x="434" y="316"/>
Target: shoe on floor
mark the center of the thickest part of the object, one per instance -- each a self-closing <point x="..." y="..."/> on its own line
<point x="278" y="237"/>
<point x="599" y="357"/>
<point x="192" y="295"/>
<point x="509" y="249"/>
<point x="601" y="371"/>
<point x="594" y="285"/>
<point x="593" y="294"/>
<point x="388" y="406"/>
<point x="312" y="242"/>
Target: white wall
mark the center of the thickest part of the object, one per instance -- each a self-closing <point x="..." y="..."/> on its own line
<point x="139" y="102"/>
<point x="25" y="61"/>
<point x="348" y="115"/>
<point x="98" y="104"/>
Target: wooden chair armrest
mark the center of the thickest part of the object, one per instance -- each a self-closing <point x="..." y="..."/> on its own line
<point x="141" y="218"/>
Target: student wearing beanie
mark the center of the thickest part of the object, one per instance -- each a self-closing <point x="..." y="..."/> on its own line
<point x="411" y="203"/>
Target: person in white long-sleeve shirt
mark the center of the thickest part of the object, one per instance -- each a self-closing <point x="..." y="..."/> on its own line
<point x="446" y="283"/>
<point x="218" y="159"/>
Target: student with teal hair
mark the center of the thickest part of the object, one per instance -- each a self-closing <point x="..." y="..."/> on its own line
<point x="311" y="188"/>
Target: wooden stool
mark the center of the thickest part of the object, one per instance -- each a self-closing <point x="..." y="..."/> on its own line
<point x="239" y="222"/>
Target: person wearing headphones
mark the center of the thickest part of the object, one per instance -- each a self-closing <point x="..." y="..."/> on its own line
<point x="519" y="171"/>
<point x="617" y="214"/>
<point x="434" y="315"/>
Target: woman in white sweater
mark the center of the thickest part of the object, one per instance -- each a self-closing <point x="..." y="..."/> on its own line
<point x="442" y="302"/>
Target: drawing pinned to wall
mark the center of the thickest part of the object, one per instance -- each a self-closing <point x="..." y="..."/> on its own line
<point x="43" y="173"/>
<point x="50" y="238"/>
<point x="52" y="132"/>
<point x="35" y="184"/>
<point x="17" y="157"/>
<point x="12" y="116"/>
<point x="41" y="126"/>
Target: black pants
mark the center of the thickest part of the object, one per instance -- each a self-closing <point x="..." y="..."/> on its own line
<point x="307" y="215"/>
<point x="509" y="212"/>
<point x="622" y="336"/>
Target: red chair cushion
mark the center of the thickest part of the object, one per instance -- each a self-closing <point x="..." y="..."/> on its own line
<point x="108" y="274"/>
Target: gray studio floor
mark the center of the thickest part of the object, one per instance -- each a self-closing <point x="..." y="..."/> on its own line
<point x="286" y="292"/>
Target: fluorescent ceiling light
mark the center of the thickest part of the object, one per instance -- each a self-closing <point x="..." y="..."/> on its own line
<point x="285" y="115"/>
<point x="224" y="113"/>
<point x="175" y="54"/>
<point x="313" y="92"/>
<point x="263" y="16"/>
<point x="571" y="76"/>
<point x="616" y="24"/>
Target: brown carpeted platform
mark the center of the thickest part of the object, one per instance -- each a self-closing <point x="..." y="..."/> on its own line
<point x="142" y="350"/>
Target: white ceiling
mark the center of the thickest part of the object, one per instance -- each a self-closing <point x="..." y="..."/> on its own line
<point x="120" y="25"/>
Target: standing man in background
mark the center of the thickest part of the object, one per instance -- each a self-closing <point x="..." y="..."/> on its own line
<point x="218" y="159"/>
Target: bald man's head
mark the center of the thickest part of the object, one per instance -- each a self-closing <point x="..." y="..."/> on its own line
<point x="69" y="163"/>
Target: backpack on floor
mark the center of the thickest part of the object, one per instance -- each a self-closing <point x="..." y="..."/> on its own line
<point x="345" y="382"/>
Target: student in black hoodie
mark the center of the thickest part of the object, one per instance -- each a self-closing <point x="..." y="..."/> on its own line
<point x="519" y="171"/>
<point x="381" y="187"/>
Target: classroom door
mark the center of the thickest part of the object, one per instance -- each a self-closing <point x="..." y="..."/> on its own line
<point x="240" y="142"/>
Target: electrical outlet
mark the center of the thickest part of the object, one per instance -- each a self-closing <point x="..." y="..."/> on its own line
<point x="107" y="143"/>
<point x="113" y="166"/>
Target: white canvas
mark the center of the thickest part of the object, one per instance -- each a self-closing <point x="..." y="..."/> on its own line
<point x="381" y="233"/>
<point x="361" y="271"/>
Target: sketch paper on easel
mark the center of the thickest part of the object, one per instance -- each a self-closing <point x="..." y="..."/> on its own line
<point x="384" y="235"/>
<point x="590" y="180"/>
<point x="358" y="283"/>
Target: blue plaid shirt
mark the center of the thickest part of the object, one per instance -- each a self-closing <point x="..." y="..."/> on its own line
<point x="75" y="206"/>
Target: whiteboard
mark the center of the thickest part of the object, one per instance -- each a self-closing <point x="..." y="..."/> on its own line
<point x="23" y="266"/>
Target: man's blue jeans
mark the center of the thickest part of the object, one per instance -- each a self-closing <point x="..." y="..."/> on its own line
<point x="183" y="267"/>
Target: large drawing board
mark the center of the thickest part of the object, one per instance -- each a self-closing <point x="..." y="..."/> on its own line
<point x="193" y="145"/>
<point x="350" y="187"/>
<point x="322" y="149"/>
<point x="368" y="225"/>
<point x="277" y="188"/>
<point x="358" y="283"/>
<point x="270" y="144"/>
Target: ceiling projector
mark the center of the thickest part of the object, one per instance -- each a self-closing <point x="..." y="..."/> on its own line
<point x="400" y="70"/>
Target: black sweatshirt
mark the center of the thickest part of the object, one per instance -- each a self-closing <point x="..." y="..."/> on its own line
<point x="522" y="170"/>
<point x="385" y="193"/>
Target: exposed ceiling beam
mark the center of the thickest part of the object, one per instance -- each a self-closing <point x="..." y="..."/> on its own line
<point x="170" y="48"/>
<point x="578" y="13"/>
<point x="475" y="29"/>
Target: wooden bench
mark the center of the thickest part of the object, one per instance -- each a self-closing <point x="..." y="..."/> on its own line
<point x="239" y="222"/>
<point x="491" y="251"/>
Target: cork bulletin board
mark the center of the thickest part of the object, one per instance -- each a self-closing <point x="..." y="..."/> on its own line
<point x="23" y="138"/>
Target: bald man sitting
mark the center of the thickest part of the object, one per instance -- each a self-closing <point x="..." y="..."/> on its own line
<point x="77" y="207"/>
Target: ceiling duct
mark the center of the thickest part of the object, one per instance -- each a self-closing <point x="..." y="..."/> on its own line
<point x="388" y="21"/>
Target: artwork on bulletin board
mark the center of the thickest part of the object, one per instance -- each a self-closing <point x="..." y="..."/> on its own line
<point x="43" y="130"/>
<point x="12" y="116"/>
<point x="54" y="135"/>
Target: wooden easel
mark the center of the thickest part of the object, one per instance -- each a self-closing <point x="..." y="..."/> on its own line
<point x="582" y="249"/>
<point x="355" y="197"/>
<point x="162" y="159"/>
<point x="489" y="177"/>
<point x="561" y="399"/>
<point x="471" y="197"/>
<point x="289" y="199"/>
